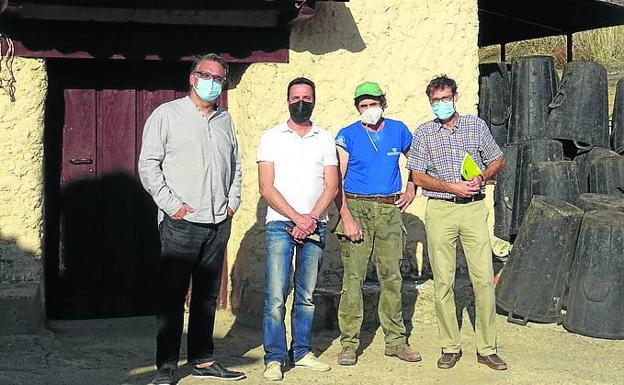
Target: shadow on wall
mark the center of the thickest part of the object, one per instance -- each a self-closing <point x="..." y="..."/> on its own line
<point x="248" y="272"/>
<point x="21" y="302"/>
<point x="16" y="264"/>
<point x="331" y="29"/>
<point x="411" y="267"/>
<point x="247" y="295"/>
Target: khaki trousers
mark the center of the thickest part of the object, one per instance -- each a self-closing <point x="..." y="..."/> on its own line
<point x="382" y="227"/>
<point x="446" y="223"/>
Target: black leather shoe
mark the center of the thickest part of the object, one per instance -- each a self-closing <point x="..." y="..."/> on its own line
<point x="493" y="361"/>
<point x="218" y="372"/>
<point x="163" y="377"/>
<point x="448" y="360"/>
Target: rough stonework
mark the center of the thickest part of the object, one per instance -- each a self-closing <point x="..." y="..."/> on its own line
<point x="21" y="199"/>
<point x="21" y="180"/>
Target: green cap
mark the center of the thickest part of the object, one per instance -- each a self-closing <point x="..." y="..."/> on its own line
<point x="368" y="88"/>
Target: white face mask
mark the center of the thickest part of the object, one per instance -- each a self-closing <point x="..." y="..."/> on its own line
<point x="371" y="115"/>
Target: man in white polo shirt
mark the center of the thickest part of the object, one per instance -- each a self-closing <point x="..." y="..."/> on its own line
<point x="298" y="177"/>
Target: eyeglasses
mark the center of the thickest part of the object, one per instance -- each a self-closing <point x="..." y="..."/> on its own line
<point x="209" y="76"/>
<point x="445" y="99"/>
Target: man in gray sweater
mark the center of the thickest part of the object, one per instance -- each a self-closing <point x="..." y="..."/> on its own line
<point x="190" y="165"/>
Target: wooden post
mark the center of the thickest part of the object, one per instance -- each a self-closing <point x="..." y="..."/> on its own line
<point x="502" y="53"/>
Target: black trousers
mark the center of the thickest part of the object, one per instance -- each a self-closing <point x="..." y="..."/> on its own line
<point x="197" y="251"/>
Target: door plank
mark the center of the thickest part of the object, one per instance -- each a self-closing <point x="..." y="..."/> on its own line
<point x="77" y="279"/>
<point x="119" y="253"/>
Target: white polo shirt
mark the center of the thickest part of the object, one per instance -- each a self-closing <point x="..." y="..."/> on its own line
<point x="299" y="164"/>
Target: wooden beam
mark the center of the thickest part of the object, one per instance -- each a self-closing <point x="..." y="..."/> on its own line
<point x="53" y="39"/>
<point x="522" y="20"/>
<point x="204" y="17"/>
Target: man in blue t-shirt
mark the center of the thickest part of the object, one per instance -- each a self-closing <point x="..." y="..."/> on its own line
<point x="370" y="205"/>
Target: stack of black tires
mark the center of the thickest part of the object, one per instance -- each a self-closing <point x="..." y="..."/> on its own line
<point x="560" y="200"/>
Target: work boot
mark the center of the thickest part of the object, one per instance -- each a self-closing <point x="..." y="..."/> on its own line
<point x="347" y="357"/>
<point x="403" y="352"/>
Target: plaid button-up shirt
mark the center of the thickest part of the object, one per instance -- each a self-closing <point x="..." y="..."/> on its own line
<point x="439" y="152"/>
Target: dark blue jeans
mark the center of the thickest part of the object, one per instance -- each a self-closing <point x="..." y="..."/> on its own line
<point x="189" y="250"/>
<point x="280" y="248"/>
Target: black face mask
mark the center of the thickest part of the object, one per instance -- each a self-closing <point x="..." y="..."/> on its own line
<point x="300" y="111"/>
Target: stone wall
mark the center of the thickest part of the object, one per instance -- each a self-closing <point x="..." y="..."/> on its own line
<point x="21" y="175"/>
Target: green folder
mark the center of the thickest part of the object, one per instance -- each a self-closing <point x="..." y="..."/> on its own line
<point x="469" y="169"/>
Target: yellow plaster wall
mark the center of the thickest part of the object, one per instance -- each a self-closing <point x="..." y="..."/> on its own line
<point x="21" y="159"/>
<point x="401" y="44"/>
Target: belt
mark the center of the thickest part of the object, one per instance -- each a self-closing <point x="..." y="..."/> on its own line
<point x="388" y="199"/>
<point x="458" y="200"/>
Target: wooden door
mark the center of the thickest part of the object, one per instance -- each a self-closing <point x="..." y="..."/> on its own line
<point x="108" y="241"/>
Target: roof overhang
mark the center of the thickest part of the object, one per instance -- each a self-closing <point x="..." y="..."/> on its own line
<point x="213" y="13"/>
<point x="507" y="21"/>
<point x="240" y="30"/>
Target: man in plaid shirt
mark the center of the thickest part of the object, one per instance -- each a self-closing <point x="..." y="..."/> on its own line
<point x="456" y="210"/>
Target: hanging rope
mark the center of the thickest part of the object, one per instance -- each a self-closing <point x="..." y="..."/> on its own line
<point x="6" y="61"/>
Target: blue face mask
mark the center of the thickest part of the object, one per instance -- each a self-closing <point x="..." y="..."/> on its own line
<point x="443" y="110"/>
<point x="208" y="90"/>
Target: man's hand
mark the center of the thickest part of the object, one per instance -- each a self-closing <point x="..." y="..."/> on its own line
<point x="298" y="234"/>
<point x="306" y="223"/>
<point x="466" y="189"/>
<point x="185" y="209"/>
<point x="352" y="230"/>
<point x="476" y="181"/>
<point x="230" y="212"/>
<point x="406" y="198"/>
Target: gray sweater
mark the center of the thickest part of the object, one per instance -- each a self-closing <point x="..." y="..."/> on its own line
<point x="186" y="158"/>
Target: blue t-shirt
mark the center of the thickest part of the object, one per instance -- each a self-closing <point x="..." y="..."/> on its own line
<point x="373" y="167"/>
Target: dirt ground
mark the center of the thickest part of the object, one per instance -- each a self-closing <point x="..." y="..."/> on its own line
<point x="120" y="351"/>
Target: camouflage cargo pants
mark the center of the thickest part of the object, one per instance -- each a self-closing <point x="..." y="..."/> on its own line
<point x="384" y="236"/>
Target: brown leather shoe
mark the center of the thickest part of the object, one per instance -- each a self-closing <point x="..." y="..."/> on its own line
<point x="403" y="352"/>
<point x="448" y="360"/>
<point x="493" y="361"/>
